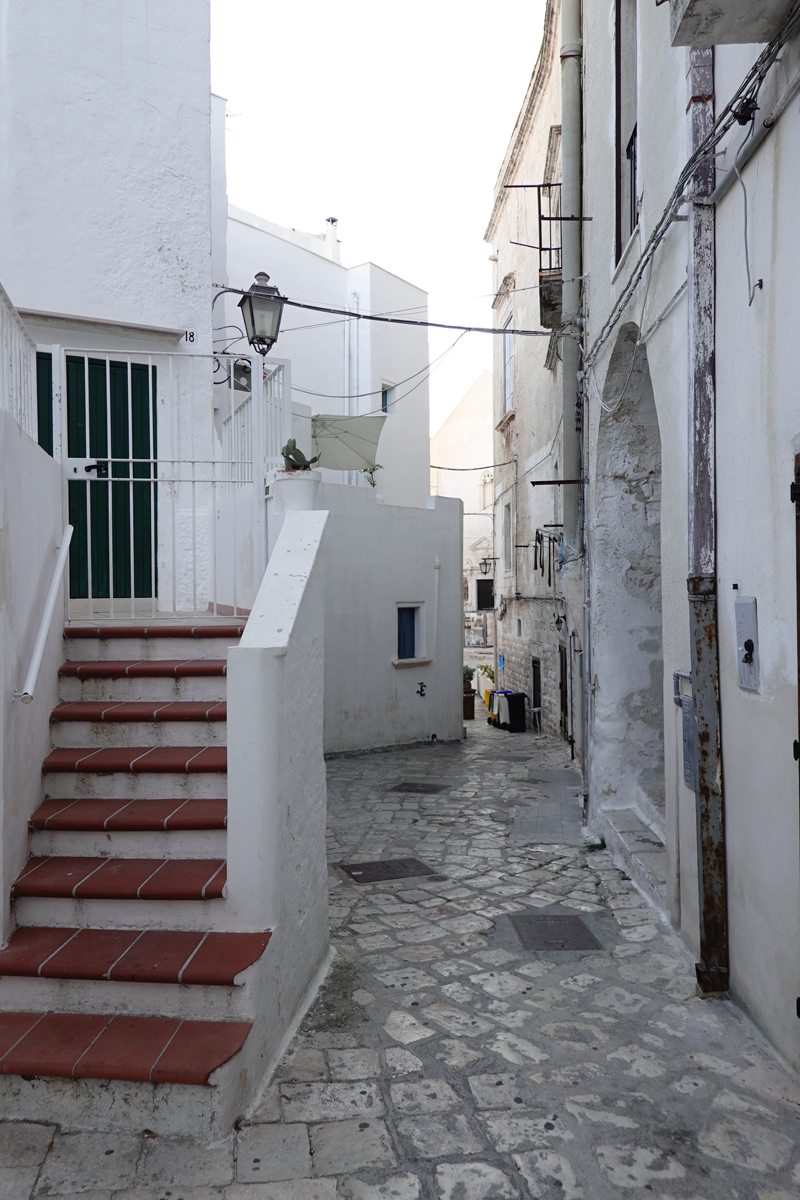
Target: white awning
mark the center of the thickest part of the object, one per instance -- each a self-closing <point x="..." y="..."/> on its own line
<point x="346" y="443"/>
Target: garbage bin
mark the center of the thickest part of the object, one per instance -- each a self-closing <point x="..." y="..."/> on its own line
<point x="516" y="712"/>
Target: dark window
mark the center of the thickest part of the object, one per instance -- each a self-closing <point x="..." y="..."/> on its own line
<point x="536" y="693"/>
<point x="406" y="620"/>
<point x="626" y="52"/>
<point x="630" y="154"/>
<point x="44" y="400"/>
<point x="485" y="594"/>
<point x="563" y="694"/>
<point x="385" y="400"/>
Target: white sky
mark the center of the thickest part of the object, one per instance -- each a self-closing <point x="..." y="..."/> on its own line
<point x="393" y="118"/>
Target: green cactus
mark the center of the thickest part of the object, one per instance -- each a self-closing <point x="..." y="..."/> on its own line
<point x="294" y="459"/>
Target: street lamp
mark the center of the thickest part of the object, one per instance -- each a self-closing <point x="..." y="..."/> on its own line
<point x="485" y="565"/>
<point x="262" y="308"/>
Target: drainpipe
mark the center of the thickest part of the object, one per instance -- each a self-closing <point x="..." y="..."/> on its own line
<point x="712" y="970"/>
<point x="571" y="206"/>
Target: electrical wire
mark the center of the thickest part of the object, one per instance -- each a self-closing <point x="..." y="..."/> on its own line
<point x="359" y="316"/>
<point x="637" y="344"/>
<point x="759" y="283"/>
<point x="378" y="391"/>
<point x="507" y="463"/>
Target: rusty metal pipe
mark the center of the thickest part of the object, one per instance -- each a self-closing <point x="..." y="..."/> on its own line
<point x="712" y="970"/>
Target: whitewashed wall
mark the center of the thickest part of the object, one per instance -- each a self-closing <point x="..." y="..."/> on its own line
<point x="338" y="358"/>
<point x="758" y="433"/>
<point x="31" y="528"/>
<point x="277" y="791"/>
<point x="105" y="161"/>
<point x="375" y="557"/>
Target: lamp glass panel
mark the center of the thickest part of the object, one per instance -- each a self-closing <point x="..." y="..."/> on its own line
<point x="266" y="317"/>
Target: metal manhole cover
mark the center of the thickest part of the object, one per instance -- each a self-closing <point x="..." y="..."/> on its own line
<point x="541" y="932"/>
<point x="389" y="868"/>
<point x="417" y="785"/>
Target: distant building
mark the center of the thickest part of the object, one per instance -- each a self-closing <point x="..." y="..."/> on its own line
<point x="464" y="442"/>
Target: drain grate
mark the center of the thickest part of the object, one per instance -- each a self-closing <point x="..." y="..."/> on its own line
<point x="389" y="868"/>
<point x="418" y="785"/>
<point x="539" y="932"/>
<point x="548" y="824"/>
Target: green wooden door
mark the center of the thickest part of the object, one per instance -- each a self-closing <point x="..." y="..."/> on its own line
<point x="111" y="422"/>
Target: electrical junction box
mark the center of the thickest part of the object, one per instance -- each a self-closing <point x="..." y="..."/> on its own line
<point x="747" y="642"/>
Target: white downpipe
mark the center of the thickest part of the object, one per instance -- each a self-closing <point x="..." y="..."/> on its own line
<point x="436" y="573"/>
<point x="26" y="695"/>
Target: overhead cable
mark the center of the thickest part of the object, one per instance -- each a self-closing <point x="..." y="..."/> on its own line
<point x="487" y="468"/>
<point x="360" y="316"/>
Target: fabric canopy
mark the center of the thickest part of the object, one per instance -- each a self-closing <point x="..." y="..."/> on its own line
<point x="346" y="443"/>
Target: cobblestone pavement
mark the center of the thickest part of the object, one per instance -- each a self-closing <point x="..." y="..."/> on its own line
<point x="443" y="1061"/>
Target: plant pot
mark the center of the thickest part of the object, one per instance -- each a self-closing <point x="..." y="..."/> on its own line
<point x="469" y="706"/>
<point x="296" y="491"/>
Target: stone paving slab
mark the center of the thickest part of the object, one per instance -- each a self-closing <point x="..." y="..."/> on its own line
<point x="442" y="1061"/>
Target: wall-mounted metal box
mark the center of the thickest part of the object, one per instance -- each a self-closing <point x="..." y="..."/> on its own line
<point x="747" y="642"/>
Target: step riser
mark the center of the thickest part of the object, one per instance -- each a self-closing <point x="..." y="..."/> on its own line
<point x="119" y="785"/>
<point x="120" y="914"/>
<point x="101" y="735"/>
<point x="208" y="688"/>
<point x="94" y="649"/>
<point x="204" y="1113"/>
<point x="200" y="843"/>
<point x="196" y="1003"/>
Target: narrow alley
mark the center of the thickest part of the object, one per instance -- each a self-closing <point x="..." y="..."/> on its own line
<point x="443" y="1060"/>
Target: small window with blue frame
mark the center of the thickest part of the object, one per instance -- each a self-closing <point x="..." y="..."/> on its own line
<point x="406" y="641"/>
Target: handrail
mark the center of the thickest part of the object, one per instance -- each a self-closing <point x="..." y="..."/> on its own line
<point x="26" y="695"/>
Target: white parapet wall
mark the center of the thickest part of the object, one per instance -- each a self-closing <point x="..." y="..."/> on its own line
<point x="31" y="529"/>
<point x="379" y="558"/>
<point x="277" y="798"/>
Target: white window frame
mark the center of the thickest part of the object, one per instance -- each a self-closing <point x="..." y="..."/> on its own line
<point x="507" y="534"/>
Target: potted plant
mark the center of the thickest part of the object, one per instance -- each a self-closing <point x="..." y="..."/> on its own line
<point x="469" y="694"/>
<point x="297" y="484"/>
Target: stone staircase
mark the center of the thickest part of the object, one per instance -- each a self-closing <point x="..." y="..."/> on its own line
<point x="120" y="973"/>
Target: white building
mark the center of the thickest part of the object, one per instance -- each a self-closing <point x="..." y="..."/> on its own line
<point x="196" y="832"/>
<point x="464" y="444"/>
<point x="675" y="120"/>
<point x="341" y="367"/>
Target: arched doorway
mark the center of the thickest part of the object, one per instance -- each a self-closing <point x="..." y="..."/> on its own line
<point x="627" y="751"/>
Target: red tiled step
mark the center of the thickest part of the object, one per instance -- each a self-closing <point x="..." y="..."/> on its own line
<point x="144" y="668"/>
<point x="131" y="956"/>
<point x="153" y="631"/>
<point x="133" y="815"/>
<point x="137" y="759"/>
<point x="123" y="878"/>
<point x="140" y="710"/>
<point x="142" y="1049"/>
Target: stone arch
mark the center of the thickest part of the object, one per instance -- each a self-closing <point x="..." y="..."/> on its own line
<point x="628" y="727"/>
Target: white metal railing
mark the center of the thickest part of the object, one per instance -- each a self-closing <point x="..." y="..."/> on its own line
<point x="26" y="695"/>
<point x="166" y="458"/>
<point x="17" y="368"/>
